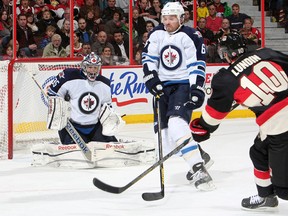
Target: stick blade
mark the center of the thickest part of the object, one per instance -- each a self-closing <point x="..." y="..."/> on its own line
<point x="108" y="188"/>
<point x="153" y="196"/>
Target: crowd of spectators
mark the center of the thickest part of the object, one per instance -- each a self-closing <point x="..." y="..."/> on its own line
<point x="102" y="26"/>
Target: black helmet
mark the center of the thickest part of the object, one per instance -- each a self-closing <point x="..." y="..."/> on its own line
<point x="233" y="44"/>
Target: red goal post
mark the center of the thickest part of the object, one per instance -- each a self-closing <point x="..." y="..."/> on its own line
<point x="23" y="107"/>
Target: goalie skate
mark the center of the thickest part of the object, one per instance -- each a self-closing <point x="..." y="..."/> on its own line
<point x="257" y="203"/>
<point x="200" y="178"/>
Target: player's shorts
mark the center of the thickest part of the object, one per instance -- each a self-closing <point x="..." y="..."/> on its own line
<point x="173" y="104"/>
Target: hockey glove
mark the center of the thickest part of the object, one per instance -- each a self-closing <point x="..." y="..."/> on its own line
<point x="154" y="84"/>
<point x="197" y="96"/>
<point x="198" y="132"/>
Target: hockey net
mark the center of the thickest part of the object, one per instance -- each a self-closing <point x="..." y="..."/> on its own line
<point x="26" y="112"/>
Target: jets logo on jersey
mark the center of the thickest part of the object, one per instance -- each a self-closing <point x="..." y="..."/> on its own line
<point x="171" y="57"/>
<point x="88" y="102"/>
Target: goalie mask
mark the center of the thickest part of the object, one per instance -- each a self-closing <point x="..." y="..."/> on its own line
<point x="233" y="45"/>
<point x="91" y="66"/>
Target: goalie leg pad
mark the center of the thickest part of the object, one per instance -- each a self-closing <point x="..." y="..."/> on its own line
<point x="104" y="154"/>
<point x="58" y="113"/>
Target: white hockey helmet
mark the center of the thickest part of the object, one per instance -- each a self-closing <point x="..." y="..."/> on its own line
<point x="91" y="66"/>
<point x="173" y="8"/>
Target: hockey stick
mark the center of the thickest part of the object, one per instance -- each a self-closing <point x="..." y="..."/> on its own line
<point x="70" y="129"/>
<point x="117" y="190"/>
<point x="151" y="196"/>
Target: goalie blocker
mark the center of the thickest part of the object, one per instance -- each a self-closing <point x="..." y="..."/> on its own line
<point x="104" y="154"/>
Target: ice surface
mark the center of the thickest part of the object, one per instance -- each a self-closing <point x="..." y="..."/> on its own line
<point x="45" y="191"/>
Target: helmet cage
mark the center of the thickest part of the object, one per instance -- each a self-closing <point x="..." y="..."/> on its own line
<point x="91" y="60"/>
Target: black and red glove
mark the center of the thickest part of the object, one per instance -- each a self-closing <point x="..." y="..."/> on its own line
<point x="199" y="133"/>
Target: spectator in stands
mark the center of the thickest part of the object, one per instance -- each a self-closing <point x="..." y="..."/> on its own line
<point x="66" y="16"/>
<point x="8" y="53"/>
<point x="25" y="37"/>
<point x="91" y="21"/>
<point x="5" y="29"/>
<point x="110" y="9"/>
<point x="45" y="21"/>
<point x="31" y="23"/>
<point x="100" y="43"/>
<point x="236" y="18"/>
<point x="155" y="10"/>
<point x="142" y="41"/>
<point x="50" y="31"/>
<point x="124" y="4"/>
<point x="107" y="57"/>
<point x="223" y="10"/>
<point x="209" y="40"/>
<point x="187" y="20"/>
<point x="121" y="48"/>
<point x="224" y="30"/>
<point x="65" y="33"/>
<point x="149" y="25"/>
<point x="213" y="22"/>
<point x="18" y="54"/>
<point x="202" y="10"/>
<point x="251" y="34"/>
<point x="113" y="25"/>
<point x="92" y="5"/>
<point x="77" y="46"/>
<point x="6" y="20"/>
<point x="138" y="22"/>
<point x="125" y="30"/>
<point x="7" y="7"/>
<point x="86" y="49"/>
<point x="138" y="57"/>
<point x="143" y="6"/>
<point x="24" y="7"/>
<point x="86" y="36"/>
<point x="54" y="48"/>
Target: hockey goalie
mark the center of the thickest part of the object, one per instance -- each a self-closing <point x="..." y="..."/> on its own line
<point x="79" y="108"/>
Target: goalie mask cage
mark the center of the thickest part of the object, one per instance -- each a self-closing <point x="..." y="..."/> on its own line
<point x="23" y="107"/>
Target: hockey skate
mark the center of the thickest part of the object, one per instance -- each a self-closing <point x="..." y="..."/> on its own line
<point x="208" y="162"/>
<point x="200" y="178"/>
<point x="257" y="203"/>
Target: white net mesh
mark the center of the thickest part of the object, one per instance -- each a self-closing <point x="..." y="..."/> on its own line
<point x="29" y="104"/>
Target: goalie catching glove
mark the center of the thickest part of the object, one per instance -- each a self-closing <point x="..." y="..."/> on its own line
<point x="199" y="133"/>
<point x="110" y="120"/>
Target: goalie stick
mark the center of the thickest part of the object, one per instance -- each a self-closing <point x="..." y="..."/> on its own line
<point x="151" y="196"/>
<point x="117" y="190"/>
<point x="70" y="129"/>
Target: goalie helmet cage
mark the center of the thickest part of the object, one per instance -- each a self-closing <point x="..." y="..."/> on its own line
<point x="23" y="107"/>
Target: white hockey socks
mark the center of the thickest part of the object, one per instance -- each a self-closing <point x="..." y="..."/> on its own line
<point x="178" y="128"/>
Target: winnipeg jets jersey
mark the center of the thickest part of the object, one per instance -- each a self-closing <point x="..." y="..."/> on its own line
<point x="257" y="80"/>
<point x="86" y="97"/>
<point x="177" y="57"/>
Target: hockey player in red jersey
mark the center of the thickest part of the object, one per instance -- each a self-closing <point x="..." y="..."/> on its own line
<point x="257" y="80"/>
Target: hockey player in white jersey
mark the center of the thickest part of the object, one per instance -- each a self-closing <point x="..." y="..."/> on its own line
<point x="174" y="70"/>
